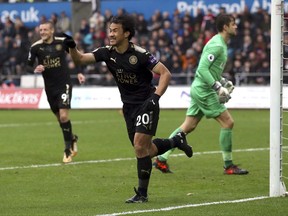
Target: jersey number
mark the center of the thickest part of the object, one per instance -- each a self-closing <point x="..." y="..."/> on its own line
<point x="142" y="119"/>
<point x="64" y="97"/>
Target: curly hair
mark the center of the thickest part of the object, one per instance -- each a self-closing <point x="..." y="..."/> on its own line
<point x="128" y="23"/>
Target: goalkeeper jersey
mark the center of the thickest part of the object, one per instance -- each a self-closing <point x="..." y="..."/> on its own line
<point x="212" y="63"/>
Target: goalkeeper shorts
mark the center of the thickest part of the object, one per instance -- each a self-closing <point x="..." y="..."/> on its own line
<point x="205" y="104"/>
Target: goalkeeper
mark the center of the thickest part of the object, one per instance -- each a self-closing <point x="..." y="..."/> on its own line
<point x="209" y="92"/>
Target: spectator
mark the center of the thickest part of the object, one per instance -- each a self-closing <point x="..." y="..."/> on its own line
<point x="96" y="21"/>
<point x="141" y="25"/>
<point x="247" y="46"/>
<point x="84" y="27"/>
<point x="187" y="39"/>
<point x="285" y="48"/>
<point x="107" y="17"/>
<point x="208" y="22"/>
<point x="253" y="58"/>
<point x="154" y="35"/>
<point x="177" y="23"/>
<point x="88" y="39"/>
<point x="245" y="16"/>
<point x="63" y="23"/>
<point x="246" y="71"/>
<point x="1" y="26"/>
<point x="167" y="34"/>
<point x="54" y="20"/>
<point x="164" y="35"/>
<point x="190" y="58"/>
<point x="177" y="71"/>
<point x="20" y="28"/>
<point x="199" y="16"/>
<point x="79" y="38"/>
<point x="166" y="16"/>
<point x="106" y="78"/>
<point x="155" y="22"/>
<point x="121" y="11"/>
<point x="238" y="71"/>
<point x="99" y="37"/>
<point x="197" y="46"/>
<point x="8" y="83"/>
<point x="33" y="35"/>
<point x="260" y="43"/>
<point x="258" y="17"/>
<point x="5" y="50"/>
<point x="9" y="28"/>
<point x="18" y="55"/>
<point x="167" y="28"/>
<point x="180" y="42"/>
<point x="155" y="52"/>
<point x="43" y="19"/>
<point x="264" y="72"/>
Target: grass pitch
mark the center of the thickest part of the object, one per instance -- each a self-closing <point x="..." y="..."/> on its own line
<point x="33" y="181"/>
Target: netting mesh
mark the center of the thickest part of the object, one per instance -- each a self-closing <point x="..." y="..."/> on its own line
<point x="284" y="92"/>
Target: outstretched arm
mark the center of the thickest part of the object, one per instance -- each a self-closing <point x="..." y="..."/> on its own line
<point x="78" y="57"/>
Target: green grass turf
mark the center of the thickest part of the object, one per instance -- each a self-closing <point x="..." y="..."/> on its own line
<point x="99" y="184"/>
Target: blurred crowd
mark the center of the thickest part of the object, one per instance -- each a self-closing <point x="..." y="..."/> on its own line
<point x="175" y="39"/>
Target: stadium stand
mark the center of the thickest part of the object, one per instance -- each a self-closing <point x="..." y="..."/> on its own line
<point x="174" y="38"/>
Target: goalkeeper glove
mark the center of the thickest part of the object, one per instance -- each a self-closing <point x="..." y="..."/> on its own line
<point x="69" y="41"/>
<point x="151" y="102"/>
<point x="227" y="84"/>
<point x="223" y="93"/>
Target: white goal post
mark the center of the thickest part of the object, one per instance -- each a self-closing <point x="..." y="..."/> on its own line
<point x="277" y="186"/>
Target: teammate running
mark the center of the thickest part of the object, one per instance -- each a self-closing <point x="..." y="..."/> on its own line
<point x="51" y="55"/>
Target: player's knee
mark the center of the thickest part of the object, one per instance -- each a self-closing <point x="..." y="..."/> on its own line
<point x="63" y="118"/>
<point x="139" y="148"/>
<point x="229" y="124"/>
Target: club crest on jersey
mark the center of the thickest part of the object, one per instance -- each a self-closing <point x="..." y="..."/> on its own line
<point x="133" y="60"/>
<point x="58" y="47"/>
<point x="211" y="57"/>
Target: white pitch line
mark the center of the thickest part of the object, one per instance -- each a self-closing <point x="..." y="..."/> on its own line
<point x="35" y="124"/>
<point x="185" y="206"/>
<point x="61" y="164"/>
<point x="119" y="159"/>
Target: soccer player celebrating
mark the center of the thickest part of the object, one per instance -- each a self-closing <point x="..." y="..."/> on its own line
<point x="132" y="68"/>
<point x="209" y="91"/>
<point x="51" y="55"/>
